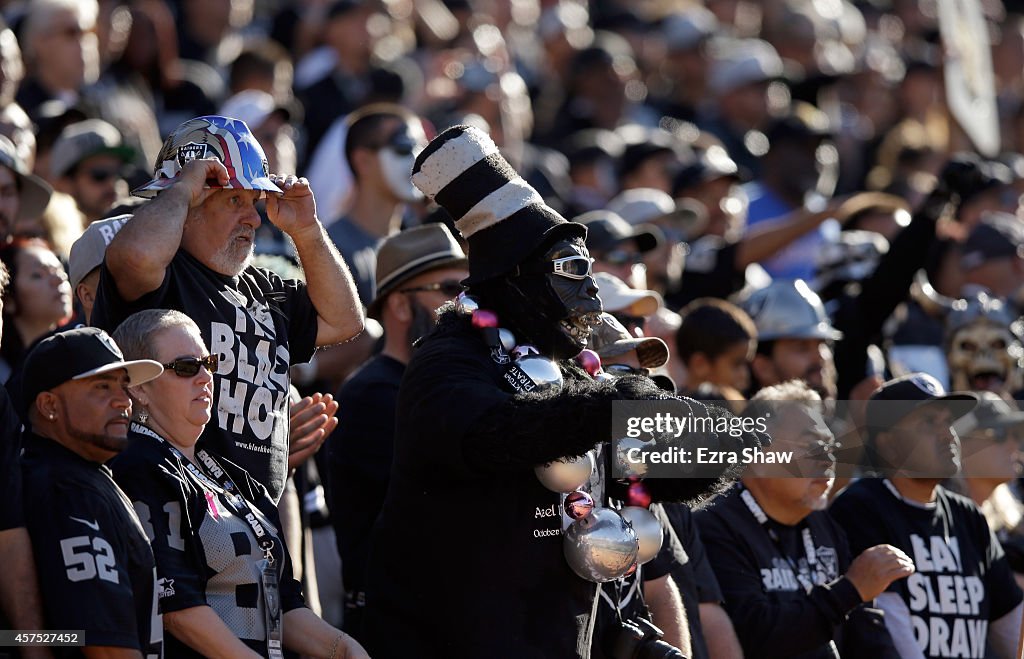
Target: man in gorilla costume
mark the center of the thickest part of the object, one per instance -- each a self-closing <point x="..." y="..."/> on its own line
<point x="467" y="557"/>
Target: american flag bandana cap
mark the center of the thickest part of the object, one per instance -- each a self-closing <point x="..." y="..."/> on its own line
<point x="228" y="140"/>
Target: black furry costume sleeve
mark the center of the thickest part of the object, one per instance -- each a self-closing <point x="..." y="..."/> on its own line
<point x="462" y="422"/>
<point x="532" y="429"/>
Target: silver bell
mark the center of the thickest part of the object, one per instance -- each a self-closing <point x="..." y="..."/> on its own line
<point x="600" y="547"/>
<point x="544" y="372"/>
<point x="466" y="304"/>
<point x="566" y="475"/>
<point x="624" y="467"/>
<point x="648" y="531"/>
<point x="508" y="340"/>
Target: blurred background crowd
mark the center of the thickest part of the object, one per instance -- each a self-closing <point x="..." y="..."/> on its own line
<point x="849" y="173"/>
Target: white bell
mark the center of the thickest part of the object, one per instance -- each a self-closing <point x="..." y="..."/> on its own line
<point x="566" y="475"/>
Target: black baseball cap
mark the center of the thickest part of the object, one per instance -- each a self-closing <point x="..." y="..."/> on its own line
<point x="607" y="230"/>
<point x="643" y="145"/>
<point x="897" y="398"/>
<point x="997" y="235"/>
<point x="75" y="355"/>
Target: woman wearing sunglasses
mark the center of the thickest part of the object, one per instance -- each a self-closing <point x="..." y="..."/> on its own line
<point x="225" y="582"/>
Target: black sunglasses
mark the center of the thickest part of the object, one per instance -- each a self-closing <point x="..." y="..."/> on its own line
<point x="187" y="367"/>
<point x="449" y="287"/>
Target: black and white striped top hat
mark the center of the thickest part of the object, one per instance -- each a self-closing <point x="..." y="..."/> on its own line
<point x="503" y="219"/>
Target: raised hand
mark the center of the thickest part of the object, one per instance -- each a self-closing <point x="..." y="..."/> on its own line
<point x="294" y="210"/>
<point x="201" y="178"/>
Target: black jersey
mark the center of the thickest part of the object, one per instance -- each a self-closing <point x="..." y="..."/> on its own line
<point x="963" y="580"/>
<point x="786" y="598"/>
<point x="260" y="325"/>
<point x="205" y="554"/>
<point x="95" y="566"/>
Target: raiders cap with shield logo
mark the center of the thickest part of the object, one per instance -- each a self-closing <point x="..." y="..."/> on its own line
<point x="228" y="140"/>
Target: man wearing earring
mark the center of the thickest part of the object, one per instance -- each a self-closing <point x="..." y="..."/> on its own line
<point x="96" y="568"/>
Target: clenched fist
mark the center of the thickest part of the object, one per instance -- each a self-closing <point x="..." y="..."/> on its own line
<point x="876" y="568"/>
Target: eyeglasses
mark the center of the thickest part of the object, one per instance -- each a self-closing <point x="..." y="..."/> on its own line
<point x="449" y="287"/>
<point x="400" y="143"/>
<point x="400" y="149"/>
<point x="573" y="267"/>
<point x="187" y="367"/>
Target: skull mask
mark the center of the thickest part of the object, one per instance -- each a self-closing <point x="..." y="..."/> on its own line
<point x="983" y="346"/>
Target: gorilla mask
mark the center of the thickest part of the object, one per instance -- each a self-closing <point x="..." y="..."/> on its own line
<point x="549" y="301"/>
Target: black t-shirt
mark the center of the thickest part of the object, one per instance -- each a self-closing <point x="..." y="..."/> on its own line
<point x="772" y="612"/>
<point x="625" y="597"/>
<point x="463" y="562"/>
<point x="10" y="470"/>
<point x="260" y="325"/>
<point x="95" y="566"/>
<point x="359" y="249"/>
<point x="694" y="578"/>
<point x="205" y="554"/>
<point x="963" y="580"/>
<point x="360" y="452"/>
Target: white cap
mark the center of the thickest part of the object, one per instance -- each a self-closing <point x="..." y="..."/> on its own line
<point x="743" y="62"/>
<point x="617" y="296"/>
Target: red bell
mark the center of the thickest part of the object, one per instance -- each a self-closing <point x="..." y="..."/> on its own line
<point x="483" y="318"/>
<point x="578" y="504"/>
<point x="590" y="361"/>
<point x="637" y="495"/>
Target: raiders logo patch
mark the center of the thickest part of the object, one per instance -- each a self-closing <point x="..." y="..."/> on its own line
<point x="927" y="384"/>
<point x="109" y="344"/>
<point x="499" y="355"/>
<point x="191" y="151"/>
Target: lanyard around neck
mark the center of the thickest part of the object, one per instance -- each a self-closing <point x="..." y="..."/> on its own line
<point x="210" y="473"/>
<point x="811" y="554"/>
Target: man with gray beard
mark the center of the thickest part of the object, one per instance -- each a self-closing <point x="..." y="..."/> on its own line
<point x="190" y="248"/>
<point x="782" y="563"/>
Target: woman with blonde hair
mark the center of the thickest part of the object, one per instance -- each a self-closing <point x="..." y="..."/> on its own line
<point x="225" y="578"/>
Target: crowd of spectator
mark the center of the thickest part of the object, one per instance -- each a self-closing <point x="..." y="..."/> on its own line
<point x="216" y="268"/>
